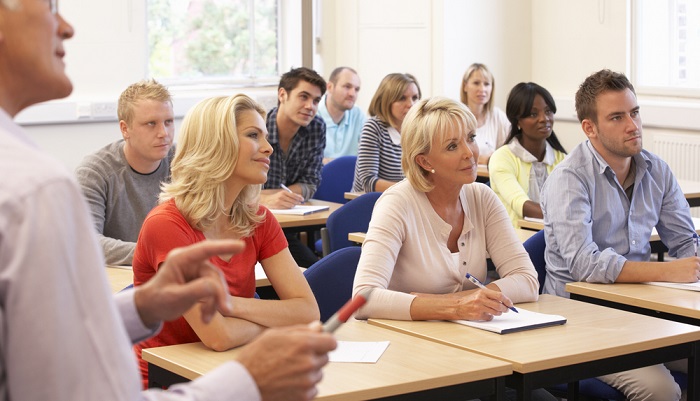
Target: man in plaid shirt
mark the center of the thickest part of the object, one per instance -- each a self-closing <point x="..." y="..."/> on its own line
<point x="298" y="139"/>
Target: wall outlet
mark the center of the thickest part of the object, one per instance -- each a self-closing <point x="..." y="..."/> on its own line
<point x="103" y="110"/>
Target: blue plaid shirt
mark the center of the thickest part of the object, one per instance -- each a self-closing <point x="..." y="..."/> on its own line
<point x="303" y="162"/>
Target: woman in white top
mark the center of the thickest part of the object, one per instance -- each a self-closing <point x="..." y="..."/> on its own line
<point x="519" y="169"/>
<point x="492" y="126"/>
<point x="379" y="153"/>
<point x="428" y="231"/>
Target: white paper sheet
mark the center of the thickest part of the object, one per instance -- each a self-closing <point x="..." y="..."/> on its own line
<point x="358" y="351"/>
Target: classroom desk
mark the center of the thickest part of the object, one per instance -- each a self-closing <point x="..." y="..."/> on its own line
<point x="538" y="225"/>
<point x="594" y="341"/>
<point x="352" y="195"/>
<point x="651" y="300"/>
<point x="691" y="190"/>
<point x="654" y="241"/>
<point x="409" y="365"/>
<point x="359" y="237"/>
<point x="119" y="277"/>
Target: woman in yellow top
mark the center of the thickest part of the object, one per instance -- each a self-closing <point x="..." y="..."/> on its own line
<point x="518" y="170"/>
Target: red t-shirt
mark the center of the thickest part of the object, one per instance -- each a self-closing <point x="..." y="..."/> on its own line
<point x="165" y="229"/>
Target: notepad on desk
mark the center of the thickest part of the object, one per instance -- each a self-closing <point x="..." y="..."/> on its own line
<point x="681" y="286"/>
<point x="301" y="210"/>
<point x="511" y="322"/>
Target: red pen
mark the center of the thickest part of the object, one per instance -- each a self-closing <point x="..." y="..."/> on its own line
<point x="345" y="312"/>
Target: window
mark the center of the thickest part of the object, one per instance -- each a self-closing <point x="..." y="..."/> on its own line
<point x="666" y="47"/>
<point x="213" y="41"/>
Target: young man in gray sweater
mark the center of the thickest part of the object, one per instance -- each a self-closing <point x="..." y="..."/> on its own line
<point x="122" y="180"/>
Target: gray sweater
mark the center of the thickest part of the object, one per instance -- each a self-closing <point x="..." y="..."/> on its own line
<point x="119" y="198"/>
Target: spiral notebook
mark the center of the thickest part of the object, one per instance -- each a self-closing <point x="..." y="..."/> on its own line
<point x="512" y="322"/>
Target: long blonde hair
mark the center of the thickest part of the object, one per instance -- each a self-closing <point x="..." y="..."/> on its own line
<point x="206" y="155"/>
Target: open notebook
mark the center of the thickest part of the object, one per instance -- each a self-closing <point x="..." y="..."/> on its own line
<point x="511" y="322"/>
<point x="300" y="210"/>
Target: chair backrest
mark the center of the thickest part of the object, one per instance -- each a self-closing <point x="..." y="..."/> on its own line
<point x="331" y="279"/>
<point x="353" y="216"/>
<point x="336" y="179"/>
<point x="535" y="246"/>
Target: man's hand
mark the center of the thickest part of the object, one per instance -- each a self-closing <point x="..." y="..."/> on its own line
<point x="686" y="270"/>
<point x="286" y="362"/>
<point x="185" y="278"/>
<point x="281" y="199"/>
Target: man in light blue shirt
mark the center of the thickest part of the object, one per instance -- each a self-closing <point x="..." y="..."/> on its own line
<point x="343" y="119"/>
<point x="600" y="205"/>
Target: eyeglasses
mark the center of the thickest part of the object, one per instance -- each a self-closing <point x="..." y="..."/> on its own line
<point x="53" y="6"/>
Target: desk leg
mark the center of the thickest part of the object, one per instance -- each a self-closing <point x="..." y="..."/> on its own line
<point x="524" y="388"/>
<point x="572" y="391"/>
<point x="693" y="390"/>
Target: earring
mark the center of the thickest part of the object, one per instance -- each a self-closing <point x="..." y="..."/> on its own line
<point x="432" y="171"/>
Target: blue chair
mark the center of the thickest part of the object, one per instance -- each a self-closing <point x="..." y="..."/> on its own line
<point x="592" y="387"/>
<point x="336" y="179"/>
<point x="535" y="246"/>
<point x="353" y="216"/>
<point x="331" y="279"/>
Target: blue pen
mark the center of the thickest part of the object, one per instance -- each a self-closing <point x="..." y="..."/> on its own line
<point x="481" y="285"/>
<point x="695" y="243"/>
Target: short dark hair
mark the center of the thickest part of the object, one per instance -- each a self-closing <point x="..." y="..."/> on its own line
<point x="594" y="85"/>
<point x="290" y="80"/>
<point x="519" y="105"/>
<point x="334" y="74"/>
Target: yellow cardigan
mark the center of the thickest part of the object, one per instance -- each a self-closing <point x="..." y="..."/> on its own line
<point x="509" y="177"/>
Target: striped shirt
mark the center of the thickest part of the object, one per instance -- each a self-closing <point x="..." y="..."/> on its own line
<point x="378" y="157"/>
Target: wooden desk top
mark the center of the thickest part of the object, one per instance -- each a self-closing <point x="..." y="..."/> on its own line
<point x="536" y="225"/>
<point x="591" y="333"/>
<point x="408" y="365"/>
<point x="359" y="237"/>
<point x="119" y="277"/>
<point x="670" y="300"/>
<point x="691" y="189"/>
<point x="311" y="219"/>
<point x="482" y="170"/>
<point x="352" y="195"/>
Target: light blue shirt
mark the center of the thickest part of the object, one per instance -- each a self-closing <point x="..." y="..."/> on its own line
<point x="343" y="138"/>
<point x="592" y="228"/>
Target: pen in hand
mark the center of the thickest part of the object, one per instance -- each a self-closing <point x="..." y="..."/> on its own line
<point x="286" y="189"/>
<point x="695" y="243"/>
<point x="481" y="285"/>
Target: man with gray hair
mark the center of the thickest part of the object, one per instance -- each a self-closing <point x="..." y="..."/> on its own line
<point x="63" y="336"/>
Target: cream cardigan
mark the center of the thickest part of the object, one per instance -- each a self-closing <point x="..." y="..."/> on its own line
<point x="406" y="251"/>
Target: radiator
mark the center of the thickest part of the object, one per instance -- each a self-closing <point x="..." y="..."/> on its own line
<point x="682" y="153"/>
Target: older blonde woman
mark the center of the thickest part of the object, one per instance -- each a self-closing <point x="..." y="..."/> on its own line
<point x="492" y="125"/>
<point x="379" y="153"/>
<point x="222" y="159"/>
<point x="428" y="231"/>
